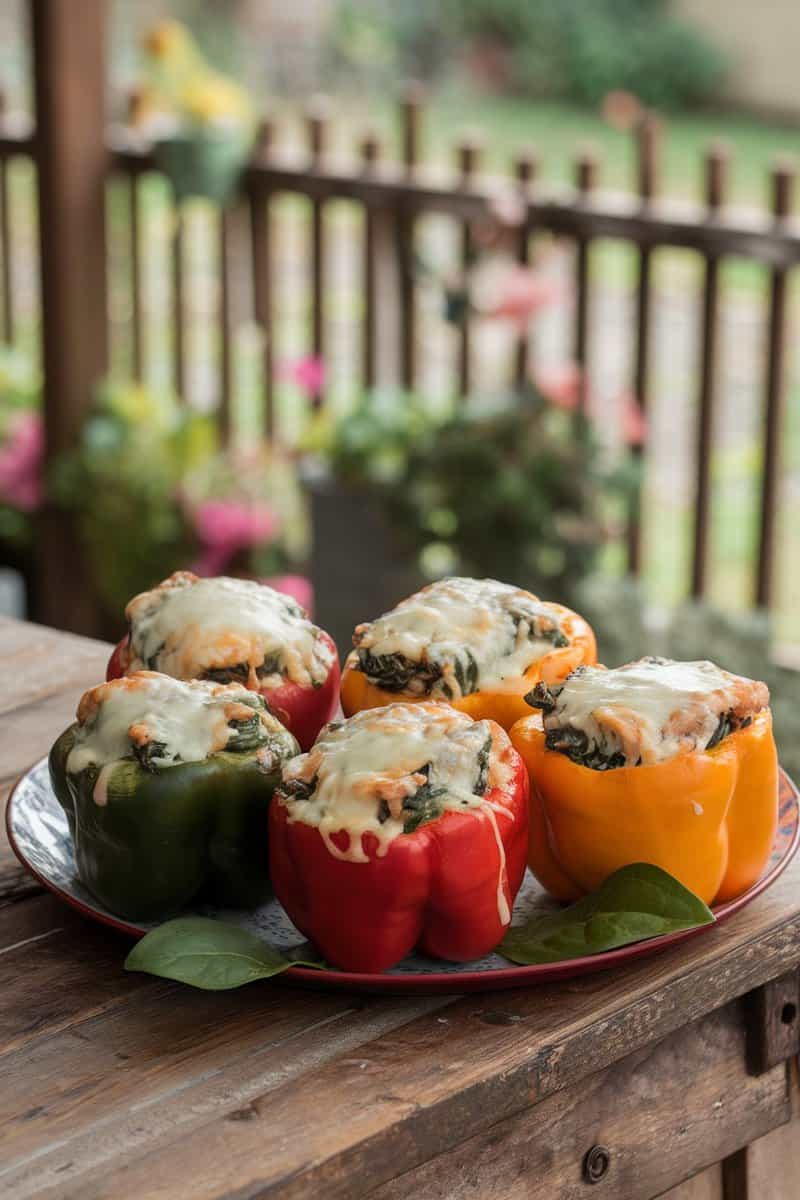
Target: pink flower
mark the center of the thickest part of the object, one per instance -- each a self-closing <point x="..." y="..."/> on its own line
<point x="235" y="523"/>
<point x="307" y="373"/>
<point x="21" y="460"/>
<point x="522" y="293"/>
<point x="634" y="422"/>
<point x="227" y="526"/>
<point x="561" y="386"/>
<point x="296" y="586"/>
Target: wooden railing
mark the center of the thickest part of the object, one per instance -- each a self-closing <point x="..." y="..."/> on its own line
<point x="394" y="195"/>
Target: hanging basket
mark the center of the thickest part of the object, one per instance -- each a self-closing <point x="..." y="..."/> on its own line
<point x="204" y="164"/>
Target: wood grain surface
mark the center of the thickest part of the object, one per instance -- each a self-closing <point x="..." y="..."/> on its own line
<point x="117" y="1085"/>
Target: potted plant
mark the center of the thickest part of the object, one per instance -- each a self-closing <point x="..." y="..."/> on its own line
<point x="516" y="488"/>
<point x="200" y="122"/>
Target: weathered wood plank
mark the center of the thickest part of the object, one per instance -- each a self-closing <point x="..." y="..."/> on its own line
<point x="169" y="1069"/>
<point x="773" y="1161"/>
<point x="439" y="1081"/>
<point x="57" y="968"/>
<point x="39" y="662"/>
<point x="773" y="1023"/>
<point x="27" y="731"/>
<point x="705" y="1186"/>
<point x="654" y="1129"/>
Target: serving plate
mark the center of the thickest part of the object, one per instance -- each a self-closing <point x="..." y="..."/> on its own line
<point x="38" y="833"/>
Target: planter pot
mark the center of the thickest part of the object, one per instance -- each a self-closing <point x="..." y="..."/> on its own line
<point x="204" y="164"/>
<point x="358" y="569"/>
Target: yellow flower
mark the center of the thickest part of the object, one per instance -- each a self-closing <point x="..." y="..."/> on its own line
<point x="213" y="98"/>
<point x="170" y="42"/>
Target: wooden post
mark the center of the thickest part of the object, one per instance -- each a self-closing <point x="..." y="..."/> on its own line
<point x="70" y="84"/>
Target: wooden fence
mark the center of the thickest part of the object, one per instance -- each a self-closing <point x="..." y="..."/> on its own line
<point x="394" y="196"/>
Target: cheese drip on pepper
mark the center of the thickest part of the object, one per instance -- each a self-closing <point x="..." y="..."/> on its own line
<point x="164" y="721"/>
<point x="646" y="711"/>
<point x="387" y="771"/>
<point x="464" y="635"/>
<point x="188" y="627"/>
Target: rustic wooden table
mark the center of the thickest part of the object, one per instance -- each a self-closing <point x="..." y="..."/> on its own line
<point x="678" y="1072"/>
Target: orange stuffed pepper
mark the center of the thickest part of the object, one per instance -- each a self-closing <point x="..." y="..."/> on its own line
<point x="476" y="644"/>
<point x="662" y="762"/>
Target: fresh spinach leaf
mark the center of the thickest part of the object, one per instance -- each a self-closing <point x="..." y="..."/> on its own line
<point x="637" y="902"/>
<point x="425" y="805"/>
<point x="209" y="954"/>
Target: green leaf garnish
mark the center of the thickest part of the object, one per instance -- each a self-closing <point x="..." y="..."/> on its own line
<point x="637" y="902"/>
<point x="212" y="955"/>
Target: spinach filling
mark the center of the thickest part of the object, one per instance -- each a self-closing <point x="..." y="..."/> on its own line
<point x="425" y="805"/>
<point x="248" y="734"/>
<point x="147" y="752"/>
<point x="577" y="746"/>
<point x="427" y="802"/>
<point x="396" y="673"/>
<point x="240" y="672"/>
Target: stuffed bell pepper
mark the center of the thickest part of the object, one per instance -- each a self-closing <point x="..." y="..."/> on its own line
<point x="404" y="826"/>
<point x="166" y="786"/>
<point x="670" y="763"/>
<point x="477" y="644"/>
<point x="235" y="631"/>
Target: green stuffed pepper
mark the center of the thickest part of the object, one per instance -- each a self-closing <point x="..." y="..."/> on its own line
<point x="167" y="785"/>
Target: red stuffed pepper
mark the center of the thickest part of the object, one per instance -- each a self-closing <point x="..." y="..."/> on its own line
<point x="235" y="631"/>
<point x="405" y="826"/>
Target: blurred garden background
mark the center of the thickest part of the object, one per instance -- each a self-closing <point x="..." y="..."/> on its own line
<point x="495" y="287"/>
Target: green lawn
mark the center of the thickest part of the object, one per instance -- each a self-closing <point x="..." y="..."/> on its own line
<point x="556" y="130"/>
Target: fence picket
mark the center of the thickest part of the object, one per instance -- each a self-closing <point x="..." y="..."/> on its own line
<point x="370" y="156"/>
<point x="6" y="273"/>
<point x="411" y="119"/>
<point x="178" y="305"/>
<point x="468" y="162"/>
<point x="585" y="178"/>
<point x="647" y="144"/>
<point x="134" y="209"/>
<point x="317" y="123"/>
<point x="782" y="187"/>
<point x="525" y="168"/>
<point x="716" y="179"/>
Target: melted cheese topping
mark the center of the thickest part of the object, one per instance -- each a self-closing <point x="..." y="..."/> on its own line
<point x="361" y="770"/>
<point x="652" y="709"/>
<point x="187" y="626"/>
<point x="187" y="721"/>
<point x="499" y="625"/>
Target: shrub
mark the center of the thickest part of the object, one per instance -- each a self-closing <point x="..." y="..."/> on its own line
<point x="576" y="49"/>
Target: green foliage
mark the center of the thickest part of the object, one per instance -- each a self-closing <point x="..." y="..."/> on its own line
<point x="122" y="485"/>
<point x="20" y="392"/>
<point x="628" y="628"/>
<point x="20" y="384"/>
<point x="577" y="49"/>
<point x="519" y="492"/>
<point x="637" y="902"/>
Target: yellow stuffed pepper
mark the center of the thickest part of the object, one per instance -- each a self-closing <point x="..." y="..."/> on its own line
<point x="670" y="763"/>
<point x="476" y="644"/>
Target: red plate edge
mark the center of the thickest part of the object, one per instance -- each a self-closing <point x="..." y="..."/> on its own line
<point x="465" y="981"/>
